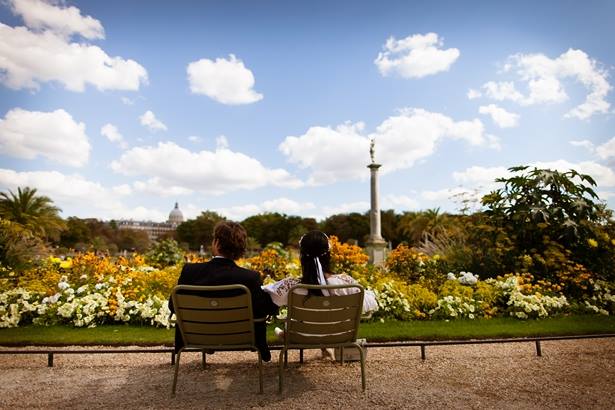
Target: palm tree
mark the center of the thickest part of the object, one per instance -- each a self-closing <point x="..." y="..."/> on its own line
<point x="34" y="212"/>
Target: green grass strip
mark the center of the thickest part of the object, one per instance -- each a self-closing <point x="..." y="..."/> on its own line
<point x="373" y="332"/>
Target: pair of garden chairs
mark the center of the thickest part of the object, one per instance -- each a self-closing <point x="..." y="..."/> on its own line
<point x="212" y="318"/>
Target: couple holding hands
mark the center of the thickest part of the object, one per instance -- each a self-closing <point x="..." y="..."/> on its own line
<point x="229" y="244"/>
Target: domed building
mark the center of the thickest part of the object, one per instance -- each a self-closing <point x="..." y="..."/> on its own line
<point x="155" y="229"/>
<point x="176" y="216"/>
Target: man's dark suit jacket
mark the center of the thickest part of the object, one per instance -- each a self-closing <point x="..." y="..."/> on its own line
<point x="223" y="271"/>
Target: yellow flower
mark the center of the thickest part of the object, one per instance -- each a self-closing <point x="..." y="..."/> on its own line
<point x="593" y="243"/>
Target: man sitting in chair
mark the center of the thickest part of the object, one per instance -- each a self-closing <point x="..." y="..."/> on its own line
<point x="228" y="245"/>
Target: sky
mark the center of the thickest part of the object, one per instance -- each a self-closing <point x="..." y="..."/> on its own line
<point x="119" y="109"/>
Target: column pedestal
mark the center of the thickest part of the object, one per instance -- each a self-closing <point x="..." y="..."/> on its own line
<point x="376" y="251"/>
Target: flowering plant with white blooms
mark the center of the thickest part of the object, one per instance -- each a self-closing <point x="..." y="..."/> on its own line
<point x="465" y="278"/>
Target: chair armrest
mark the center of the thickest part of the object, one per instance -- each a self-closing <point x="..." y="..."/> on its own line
<point x="260" y="319"/>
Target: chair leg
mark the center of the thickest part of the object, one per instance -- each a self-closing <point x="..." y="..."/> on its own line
<point x="175" y="373"/>
<point x="301" y="356"/>
<point x="281" y="368"/>
<point x="286" y="358"/>
<point x="342" y="354"/>
<point x="260" y="372"/>
<point x="362" y="355"/>
<point x="204" y="358"/>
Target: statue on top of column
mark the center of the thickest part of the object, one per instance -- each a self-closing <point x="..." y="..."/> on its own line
<point x="372" y="143"/>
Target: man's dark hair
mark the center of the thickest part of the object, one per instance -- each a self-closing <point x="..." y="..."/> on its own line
<point x="232" y="239"/>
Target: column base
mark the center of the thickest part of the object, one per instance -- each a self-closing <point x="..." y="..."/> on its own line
<point x="376" y="251"/>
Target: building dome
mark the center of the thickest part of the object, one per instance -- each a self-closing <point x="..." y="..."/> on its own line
<point x="176" y="216"/>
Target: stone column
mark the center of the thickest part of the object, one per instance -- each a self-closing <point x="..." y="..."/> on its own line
<point x="376" y="245"/>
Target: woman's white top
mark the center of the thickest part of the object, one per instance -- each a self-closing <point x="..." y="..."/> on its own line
<point x="279" y="290"/>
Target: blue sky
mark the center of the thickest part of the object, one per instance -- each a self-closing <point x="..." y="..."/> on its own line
<point x="118" y="109"/>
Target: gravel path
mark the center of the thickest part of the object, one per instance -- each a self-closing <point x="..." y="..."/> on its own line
<point x="570" y="374"/>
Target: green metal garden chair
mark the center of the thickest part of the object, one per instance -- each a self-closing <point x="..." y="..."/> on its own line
<point x="215" y="318"/>
<point x="318" y="322"/>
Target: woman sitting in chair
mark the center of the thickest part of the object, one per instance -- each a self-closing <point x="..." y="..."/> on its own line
<point x="315" y="264"/>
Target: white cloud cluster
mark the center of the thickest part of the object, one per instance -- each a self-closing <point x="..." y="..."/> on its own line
<point x="149" y="120"/>
<point x="606" y="150"/>
<point x="330" y="153"/>
<point x="281" y="205"/>
<point x="415" y="56"/>
<point x="484" y="177"/>
<point x="340" y="153"/>
<point x="77" y="196"/>
<point x="169" y="166"/>
<point x="41" y="15"/>
<point x="53" y="135"/>
<point x="111" y="132"/>
<point x="227" y="81"/>
<point x="43" y="52"/>
<point x="543" y="77"/>
<point x="500" y="116"/>
<point x="603" y="151"/>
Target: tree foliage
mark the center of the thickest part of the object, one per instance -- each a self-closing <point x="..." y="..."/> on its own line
<point x="35" y="213"/>
<point x="198" y="231"/>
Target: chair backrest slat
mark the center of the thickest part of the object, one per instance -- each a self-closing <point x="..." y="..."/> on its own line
<point x="321" y="327"/>
<point x="214" y="316"/>
<point x="211" y="302"/>
<point x="328" y="302"/>
<point x="220" y="341"/>
<point x="220" y="329"/>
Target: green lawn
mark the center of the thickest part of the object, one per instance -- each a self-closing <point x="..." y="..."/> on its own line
<point x="388" y="331"/>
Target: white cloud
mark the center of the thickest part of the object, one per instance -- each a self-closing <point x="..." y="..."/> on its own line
<point x="127" y="101"/>
<point x="195" y="138"/>
<point x="445" y="194"/>
<point x="341" y="153"/>
<point x="606" y="150"/>
<point x="122" y="190"/>
<point x="399" y="202"/>
<point x="281" y="205"/>
<point x="111" y="132"/>
<point x="53" y="135"/>
<point x="345" y="208"/>
<point x="331" y="154"/>
<point x="473" y="94"/>
<point x="415" y="56"/>
<point x="478" y="176"/>
<point x="583" y="143"/>
<point x="543" y="75"/>
<point x="225" y="81"/>
<point x="28" y="59"/>
<point x="603" y="175"/>
<point x="501" y="91"/>
<point x="221" y="142"/>
<point x="500" y="116"/>
<point x="77" y="196"/>
<point x="41" y="15"/>
<point x="154" y="186"/>
<point x="214" y="172"/>
<point x="149" y="120"/>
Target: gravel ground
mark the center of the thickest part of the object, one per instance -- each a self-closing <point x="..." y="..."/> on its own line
<point x="570" y="374"/>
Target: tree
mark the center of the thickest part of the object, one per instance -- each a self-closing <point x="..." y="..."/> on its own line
<point x="19" y="248"/>
<point x="132" y="240"/>
<point x="347" y="226"/>
<point x="77" y="234"/>
<point x="34" y="212"/>
<point x="198" y="231"/>
<point x="416" y="225"/>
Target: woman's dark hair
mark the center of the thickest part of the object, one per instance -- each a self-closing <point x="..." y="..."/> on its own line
<point x="232" y="239"/>
<point x="312" y="245"/>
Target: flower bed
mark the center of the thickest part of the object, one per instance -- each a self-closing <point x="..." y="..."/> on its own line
<point x="90" y="290"/>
